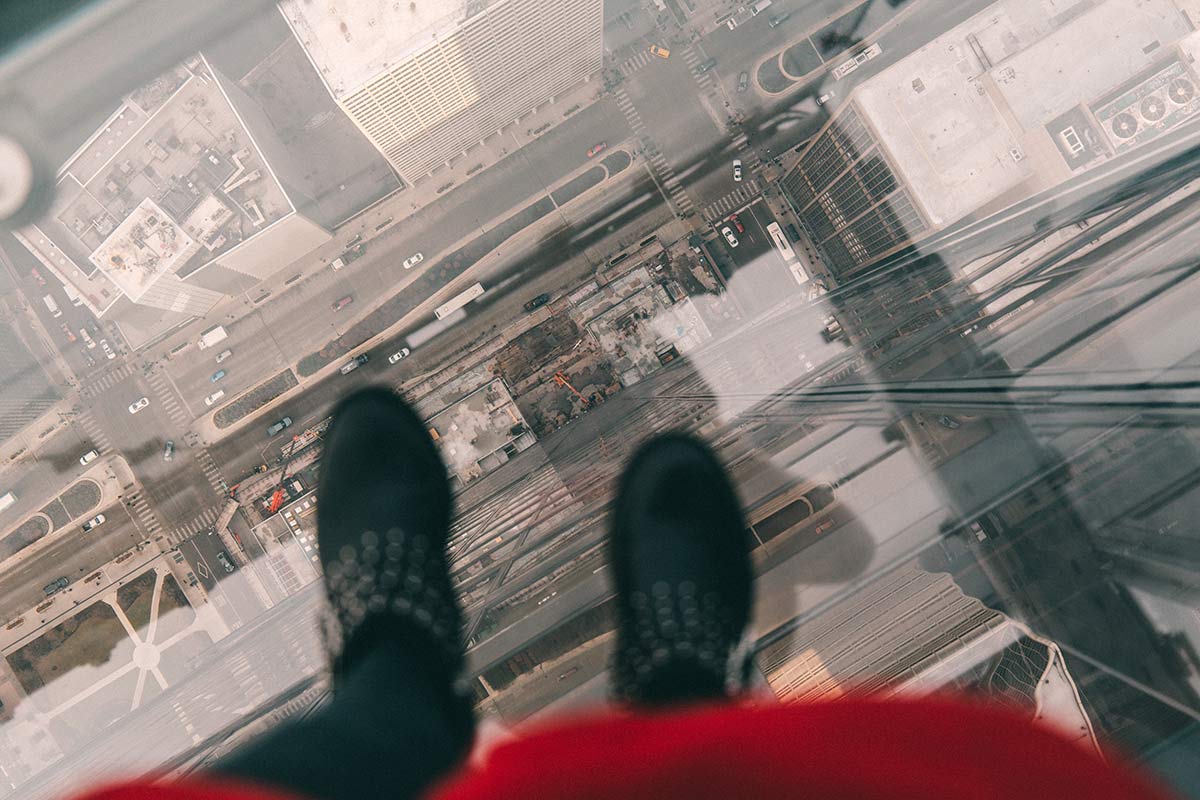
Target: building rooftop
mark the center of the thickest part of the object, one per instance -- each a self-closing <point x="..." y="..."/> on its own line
<point x="1095" y="51"/>
<point x="942" y="132"/>
<point x="961" y="117"/>
<point x="172" y="181"/>
<point x="352" y="41"/>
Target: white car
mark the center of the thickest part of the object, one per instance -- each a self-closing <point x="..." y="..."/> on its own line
<point x="108" y="351"/>
<point x="825" y="98"/>
<point x="99" y="519"/>
<point x="729" y="237"/>
<point x="224" y="354"/>
<point x="87" y="338"/>
<point x="399" y="354"/>
<point x="214" y="397"/>
<point x="413" y="260"/>
<point x="737" y="169"/>
<point x="138" y="405"/>
<point x="88" y="457"/>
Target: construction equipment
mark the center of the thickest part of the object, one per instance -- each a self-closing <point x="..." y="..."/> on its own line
<point x="561" y="380"/>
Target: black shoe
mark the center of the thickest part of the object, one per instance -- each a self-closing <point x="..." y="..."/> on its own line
<point x="383" y="516"/>
<point x="680" y="553"/>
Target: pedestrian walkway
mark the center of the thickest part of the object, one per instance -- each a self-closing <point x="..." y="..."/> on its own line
<point x="705" y="79"/>
<point x="166" y="395"/>
<point x="198" y="523"/>
<point x="634" y="63"/>
<point x="750" y="160"/>
<point x="667" y="180"/>
<point x="100" y="441"/>
<point x="106" y="381"/>
<point x="211" y="471"/>
<point x="143" y="513"/>
<point x="732" y="201"/>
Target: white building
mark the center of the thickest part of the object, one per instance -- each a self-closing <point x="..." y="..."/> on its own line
<point x="427" y="80"/>
<point x="181" y="198"/>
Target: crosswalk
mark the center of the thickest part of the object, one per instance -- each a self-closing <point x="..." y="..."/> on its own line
<point x="663" y="173"/>
<point x="190" y="528"/>
<point x="634" y="63"/>
<point x="732" y="201"/>
<point x="106" y="381"/>
<point x="167" y="396"/>
<point x="750" y="160"/>
<point x="209" y="467"/>
<point x="142" y="512"/>
<point x="95" y="433"/>
<point x="705" y="79"/>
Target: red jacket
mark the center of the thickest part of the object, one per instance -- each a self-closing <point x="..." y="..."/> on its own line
<point x="928" y="749"/>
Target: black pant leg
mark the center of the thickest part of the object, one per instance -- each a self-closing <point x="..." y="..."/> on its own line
<point x="392" y="728"/>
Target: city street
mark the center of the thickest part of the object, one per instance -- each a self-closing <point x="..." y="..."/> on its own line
<point x="227" y="587"/>
<point x="300" y="320"/>
<point x="73" y="554"/>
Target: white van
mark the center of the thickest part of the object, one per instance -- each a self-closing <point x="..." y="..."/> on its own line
<point x="51" y="306"/>
<point x="214" y="397"/>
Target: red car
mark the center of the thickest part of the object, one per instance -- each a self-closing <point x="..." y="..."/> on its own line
<point x="597" y="148"/>
<point x="37" y="276"/>
<point x="345" y="301"/>
<point x="67" y="331"/>
<point x="737" y="223"/>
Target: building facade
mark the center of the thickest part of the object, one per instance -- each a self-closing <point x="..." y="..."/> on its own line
<point x="426" y="84"/>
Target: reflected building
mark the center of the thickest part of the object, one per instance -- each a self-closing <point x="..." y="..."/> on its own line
<point x="427" y="81"/>
<point x="1014" y="101"/>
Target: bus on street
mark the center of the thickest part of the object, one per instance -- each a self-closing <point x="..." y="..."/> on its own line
<point x="458" y="301"/>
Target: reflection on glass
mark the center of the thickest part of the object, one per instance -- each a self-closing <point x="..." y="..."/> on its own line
<point x="919" y="271"/>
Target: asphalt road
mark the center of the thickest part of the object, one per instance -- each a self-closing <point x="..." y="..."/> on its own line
<point x="73" y="554"/>
<point x="227" y="588"/>
<point x="300" y="320"/>
<point x="178" y="490"/>
<point x="523" y="275"/>
<point x="44" y="472"/>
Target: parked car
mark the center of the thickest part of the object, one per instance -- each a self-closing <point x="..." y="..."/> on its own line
<point x="342" y="303"/>
<point x="108" y="351"/>
<point x="214" y="397"/>
<point x="87" y="338"/>
<point x="413" y="260"/>
<point x="37" y="276"/>
<point x="67" y="331"/>
<point x="99" y="519"/>
<point x="224" y="561"/>
<point x="224" y="354"/>
<point x="825" y="98"/>
<point x="138" y="405"/>
<point x="599" y="147"/>
<point x="354" y="364"/>
<point x="537" y="302"/>
<point x="285" y="422"/>
<point x="779" y="19"/>
<point x="737" y="223"/>
<point x="737" y="169"/>
<point x="661" y="52"/>
<point x="729" y="237"/>
<point x="216" y="376"/>
<point x="168" y="450"/>
<point x="743" y="81"/>
<point x="705" y="66"/>
<point x="89" y="457"/>
<point x="399" y="354"/>
<point x="56" y="585"/>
